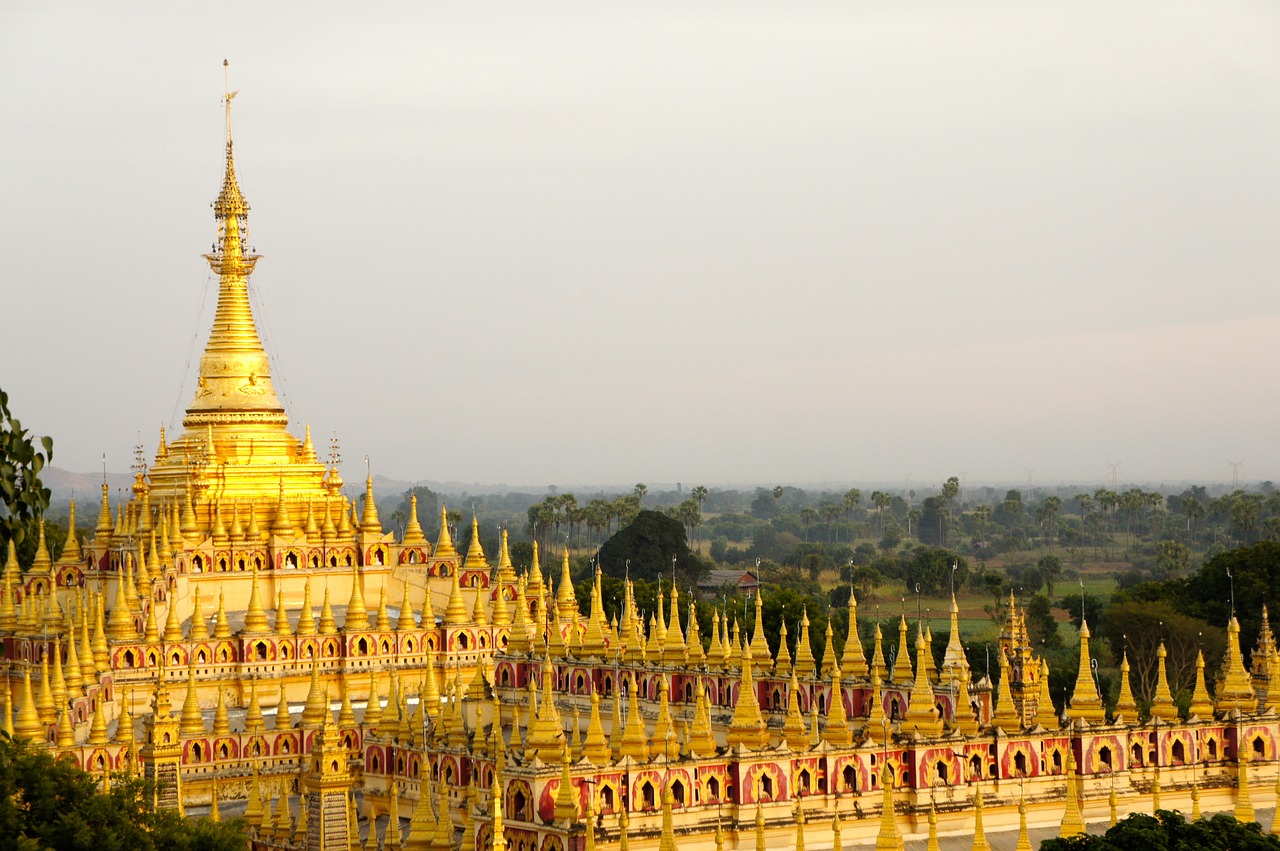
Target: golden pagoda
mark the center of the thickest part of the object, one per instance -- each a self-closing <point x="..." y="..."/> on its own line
<point x="700" y="736"/>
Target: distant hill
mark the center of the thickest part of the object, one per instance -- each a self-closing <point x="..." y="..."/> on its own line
<point x="86" y="487"/>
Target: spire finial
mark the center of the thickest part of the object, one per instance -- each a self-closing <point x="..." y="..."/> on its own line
<point x="226" y="77"/>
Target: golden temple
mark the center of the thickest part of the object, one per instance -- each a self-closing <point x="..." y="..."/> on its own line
<point x="254" y="641"/>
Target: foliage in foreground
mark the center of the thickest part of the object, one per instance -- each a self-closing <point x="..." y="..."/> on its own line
<point x="1169" y="830"/>
<point x="52" y="805"/>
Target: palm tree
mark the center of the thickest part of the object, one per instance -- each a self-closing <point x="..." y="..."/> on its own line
<point x="852" y="497"/>
<point x="700" y="494"/>
<point x="881" y="501"/>
<point x="807" y="516"/>
<point x="1047" y="514"/>
<point x="640" y="490"/>
<point x="830" y="511"/>
<point x="1194" y="509"/>
<point x="983" y="513"/>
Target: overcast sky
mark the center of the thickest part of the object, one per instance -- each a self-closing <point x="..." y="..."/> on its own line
<point x="699" y="242"/>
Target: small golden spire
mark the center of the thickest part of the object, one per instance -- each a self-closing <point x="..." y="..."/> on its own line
<point x="1126" y="706"/>
<point x="1243" y="811"/>
<point x="42" y="564"/>
<point x="317" y="705"/>
<point x="422" y="825"/>
<point x="66" y="733"/>
<point x="214" y="814"/>
<point x="26" y="722"/>
<point x="1085" y="703"/>
<point x="1235" y="687"/>
<point x="1072" y="818"/>
<point x="71" y="553"/>
<point x="199" y="629"/>
<point x="373" y="708"/>
<point x="759" y="642"/>
<point x="902" y="662"/>
<point x="889" y="837"/>
<point x="328" y="626"/>
<point x="74" y="669"/>
<point x="498" y="841"/>
<point x="634" y="743"/>
<point x="121" y="626"/>
<point x="854" y="661"/>
<point x="664" y="734"/>
<point x="922" y="715"/>
<point x="837" y="731"/>
<point x="782" y="658"/>
<point x="830" y="664"/>
<point x="281" y="625"/>
<point x="877" y="655"/>
<point x="413" y="536"/>
<point x="383" y="623"/>
<point x="253" y="715"/>
<point x="1046" y="716"/>
<point x="444" y="544"/>
<point x="806" y="665"/>
<point x="793" y="730"/>
<point x="6" y="714"/>
<point x="596" y="746"/>
<point x="257" y="811"/>
<point x="192" y="723"/>
<point x="58" y="682"/>
<point x="1006" y="715"/>
<point x="980" y="842"/>
<point x="45" y="704"/>
<point x="100" y="654"/>
<point x="475" y="552"/>
<point x="105" y="528"/>
<point x="172" y="626"/>
<point x="8" y="613"/>
<point x="455" y="613"/>
<point x="150" y="634"/>
<point x="506" y="571"/>
<point x="1162" y="705"/>
<point x="306" y="615"/>
<point x="566" y="808"/>
<point x="357" y="610"/>
<point x="369" y="522"/>
<point x="405" y="621"/>
<point x="667" y="839"/>
<point x="1201" y="703"/>
<point x="1024" y="840"/>
<point x="221" y="726"/>
<point x="221" y="625"/>
<point x="255" y="618"/>
<point x="478" y="616"/>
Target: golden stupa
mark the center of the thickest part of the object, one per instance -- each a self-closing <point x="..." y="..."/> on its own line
<point x="245" y="635"/>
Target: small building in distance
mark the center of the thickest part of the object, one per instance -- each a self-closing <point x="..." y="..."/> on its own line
<point x="745" y="581"/>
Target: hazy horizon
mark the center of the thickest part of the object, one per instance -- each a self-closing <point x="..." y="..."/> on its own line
<point x="720" y="243"/>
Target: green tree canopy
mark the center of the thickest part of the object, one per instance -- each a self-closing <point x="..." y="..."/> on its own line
<point x="648" y="547"/>
<point x="1170" y="830"/>
<point x="51" y="805"/>
<point x="23" y="499"/>
<point x="930" y="567"/>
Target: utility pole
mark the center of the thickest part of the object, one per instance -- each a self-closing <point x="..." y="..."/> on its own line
<point x="1115" y="470"/>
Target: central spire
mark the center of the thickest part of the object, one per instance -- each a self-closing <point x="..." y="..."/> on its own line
<point x="235" y="443"/>
<point x="234" y="384"/>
